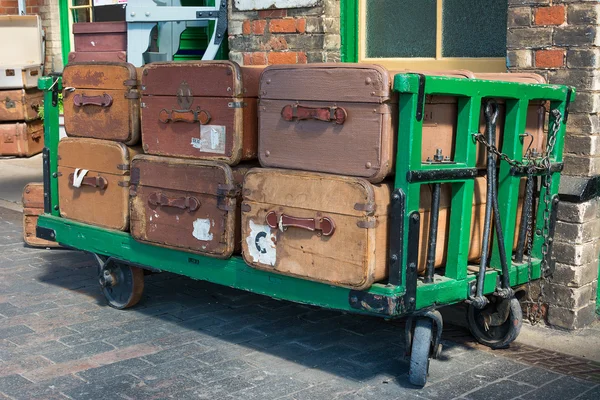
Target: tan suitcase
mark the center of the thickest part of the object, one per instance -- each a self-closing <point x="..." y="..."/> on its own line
<point x="189" y="205"/>
<point x="200" y="109"/>
<point x="33" y="207"/>
<point x="20" y="104"/>
<point x="99" y="196"/>
<point x="334" y="229"/>
<point x="101" y="101"/>
<point x="21" y="139"/>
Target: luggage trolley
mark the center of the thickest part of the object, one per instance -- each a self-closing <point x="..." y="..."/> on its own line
<point x="494" y="314"/>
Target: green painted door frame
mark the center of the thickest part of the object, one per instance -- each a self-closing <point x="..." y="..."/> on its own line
<point x="349" y="30"/>
<point x="65" y="32"/>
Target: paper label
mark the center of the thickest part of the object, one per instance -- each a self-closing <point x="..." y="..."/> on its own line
<point x="212" y="139"/>
<point x="202" y="230"/>
<point x="261" y="244"/>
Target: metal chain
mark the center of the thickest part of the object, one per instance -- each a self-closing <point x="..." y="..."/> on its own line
<point x="531" y="166"/>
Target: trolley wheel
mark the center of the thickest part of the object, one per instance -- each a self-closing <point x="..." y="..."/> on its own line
<point x="498" y="324"/>
<point x="420" y="352"/>
<point x="122" y="284"/>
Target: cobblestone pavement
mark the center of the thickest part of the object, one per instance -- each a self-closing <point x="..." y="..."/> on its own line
<point x="194" y="340"/>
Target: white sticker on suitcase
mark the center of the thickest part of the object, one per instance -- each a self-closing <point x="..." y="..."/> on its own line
<point x="212" y="139"/>
<point x="261" y="244"/>
<point x="202" y="230"/>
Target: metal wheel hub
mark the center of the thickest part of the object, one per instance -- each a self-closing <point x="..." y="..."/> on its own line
<point x="108" y="279"/>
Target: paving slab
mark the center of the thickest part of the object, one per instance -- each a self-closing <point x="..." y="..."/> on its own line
<point x="195" y="340"/>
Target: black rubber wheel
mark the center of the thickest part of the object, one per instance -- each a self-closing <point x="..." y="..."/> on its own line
<point x="420" y="352"/>
<point x="500" y="335"/>
<point x="122" y="284"/>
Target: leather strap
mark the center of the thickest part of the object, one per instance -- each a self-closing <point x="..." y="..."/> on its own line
<point x="325" y="225"/>
<point x="189" y="116"/>
<point x="327" y="114"/>
<point x="81" y="100"/>
<point x="160" y="199"/>
<point x="93" y="181"/>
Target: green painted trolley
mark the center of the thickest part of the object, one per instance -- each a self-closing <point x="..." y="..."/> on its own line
<point x="494" y="314"/>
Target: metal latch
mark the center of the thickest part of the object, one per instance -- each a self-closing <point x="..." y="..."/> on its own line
<point x="9" y="103"/>
<point x="184" y="96"/>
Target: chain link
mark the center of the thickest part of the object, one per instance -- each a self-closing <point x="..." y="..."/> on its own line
<point x="531" y="166"/>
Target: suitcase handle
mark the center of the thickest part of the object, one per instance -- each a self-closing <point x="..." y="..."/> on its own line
<point x="327" y="114"/>
<point x="160" y="199"/>
<point x="93" y="181"/>
<point x="189" y="116"/>
<point x="81" y="100"/>
<point x="325" y="225"/>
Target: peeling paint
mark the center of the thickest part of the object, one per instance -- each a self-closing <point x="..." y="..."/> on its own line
<point x="202" y="230"/>
<point x="261" y="244"/>
<point x="246" y="5"/>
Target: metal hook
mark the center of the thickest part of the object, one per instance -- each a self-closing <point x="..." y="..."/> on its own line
<point x="491" y="111"/>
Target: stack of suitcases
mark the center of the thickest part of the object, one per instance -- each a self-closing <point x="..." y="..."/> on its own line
<point x="21" y="129"/>
<point x="324" y="134"/>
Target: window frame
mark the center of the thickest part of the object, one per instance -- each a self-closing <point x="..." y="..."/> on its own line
<point x="479" y="64"/>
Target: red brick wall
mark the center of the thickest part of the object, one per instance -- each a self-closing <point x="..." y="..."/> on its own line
<point x="11" y="7"/>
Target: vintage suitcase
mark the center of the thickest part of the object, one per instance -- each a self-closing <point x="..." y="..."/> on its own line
<point x="93" y="181"/>
<point x="20" y="104"/>
<point x="335" y="118"/>
<point x="334" y="229"/>
<point x="100" y="36"/>
<point x="101" y="101"/>
<point x="97" y="56"/>
<point x="536" y="113"/>
<point x="21" y="139"/>
<point x="200" y="109"/>
<point x="441" y="112"/>
<point x="21" y="46"/>
<point x="33" y="207"/>
<point x="190" y="205"/>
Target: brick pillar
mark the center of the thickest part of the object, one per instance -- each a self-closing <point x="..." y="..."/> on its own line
<point x="559" y="39"/>
<point x="49" y="13"/>
<point x="285" y="36"/>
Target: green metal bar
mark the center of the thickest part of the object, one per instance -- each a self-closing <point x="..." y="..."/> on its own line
<point x="508" y="185"/>
<point x="349" y="30"/>
<point x="462" y="194"/>
<point x="65" y="30"/>
<point x="51" y="134"/>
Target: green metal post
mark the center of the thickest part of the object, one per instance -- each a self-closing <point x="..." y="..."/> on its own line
<point x="51" y="134"/>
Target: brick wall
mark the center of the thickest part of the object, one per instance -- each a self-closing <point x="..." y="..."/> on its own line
<point x="48" y="12"/>
<point x="559" y="39"/>
<point x="285" y="36"/>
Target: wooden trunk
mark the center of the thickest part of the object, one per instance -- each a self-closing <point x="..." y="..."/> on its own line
<point x="101" y="101"/>
<point x="33" y="207"/>
<point x="334" y="229"/>
<point x="97" y="56"/>
<point x="20" y="104"/>
<point x="190" y="205"/>
<point x="200" y="109"/>
<point x="21" y="139"/>
<point x="102" y="197"/>
<point x="100" y="36"/>
<point x="326" y="228"/>
<point x="335" y="118"/>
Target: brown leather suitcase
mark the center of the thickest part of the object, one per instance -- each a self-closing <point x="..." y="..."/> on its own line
<point x="21" y="139"/>
<point x="101" y="101"/>
<point x="190" y="205"/>
<point x="93" y="181"/>
<point x="20" y="104"/>
<point x="335" y="118"/>
<point x="97" y="56"/>
<point x="200" y="109"/>
<point x="334" y="229"/>
<point x="33" y="207"/>
<point x="100" y="36"/>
